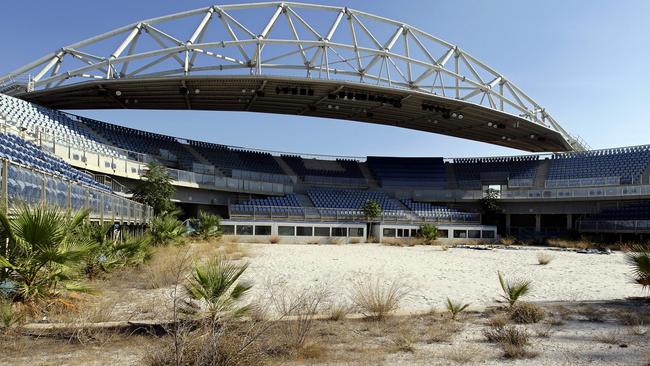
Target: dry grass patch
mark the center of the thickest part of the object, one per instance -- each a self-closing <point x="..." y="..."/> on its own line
<point x="161" y="270"/>
<point x="526" y="313"/>
<point x="609" y="337"/>
<point x="376" y="298"/>
<point x="274" y="239"/>
<point x="512" y="340"/>
<point x="592" y="314"/>
<point x="465" y="354"/>
<point x="355" y="240"/>
<point x="338" y="310"/>
<point x="442" y="331"/>
<point x="403" y="340"/>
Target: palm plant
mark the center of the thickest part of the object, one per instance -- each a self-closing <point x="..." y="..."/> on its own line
<point x="208" y="226"/>
<point x="217" y="283"/>
<point x="166" y="228"/>
<point x="513" y="290"/>
<point x="455" y="308"/>
<point x="42" y="252"/>
<point x="639" y="258"/>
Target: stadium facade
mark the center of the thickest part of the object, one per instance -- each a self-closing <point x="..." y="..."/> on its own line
<point x="311" y="68"/>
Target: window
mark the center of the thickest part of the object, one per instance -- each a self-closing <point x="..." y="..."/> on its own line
<point x="460" y="233"/>
<point x="263" y="230"/>
<point x="474" y="234"/>
<point x="415" y="233"/>
<point x="286" y="230"/>
<point x="228" y="229"/>
<point x="304" y="231"/>
<point x="389" y="233"/>
<point x="321" y="231"/>
<point x="488" y="234"/>
<point x="356" y="232"/>
<point x="339" y="231"/>
<point x="443" y="233"/>
<point x="244" y="229"/>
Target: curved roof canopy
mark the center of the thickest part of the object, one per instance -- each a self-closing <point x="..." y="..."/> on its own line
<point x="292" y="58"/>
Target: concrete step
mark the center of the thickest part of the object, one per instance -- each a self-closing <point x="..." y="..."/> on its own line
<point x="367" y="174"/>
<point x="286" y="168"/>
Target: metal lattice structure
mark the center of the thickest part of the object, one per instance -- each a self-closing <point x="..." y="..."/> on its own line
<point x="311" y="51"/>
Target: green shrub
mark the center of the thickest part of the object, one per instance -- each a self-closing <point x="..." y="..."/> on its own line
<point x="455" y="308"/>
<point x="513" y="290"/>
<point x="638" y="258"/>
<point x="166" y="229"/>
<point x="42" y="252"/>
<point x="208" y="226"/>
<point x="217" y="283"/>
<point x="429" y="233"/>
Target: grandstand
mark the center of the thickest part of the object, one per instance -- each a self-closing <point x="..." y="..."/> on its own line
<point x="563" y="187"/>
<point x="534" y="189"/>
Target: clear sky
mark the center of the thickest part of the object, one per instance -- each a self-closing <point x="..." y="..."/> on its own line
<point x="585" y="61"/>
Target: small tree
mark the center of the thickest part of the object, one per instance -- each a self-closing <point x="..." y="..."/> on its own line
<point x="208" y="226"/>
<point x="372" y="210"/>
<point x="489" y="201"/>
<point x="429" y="233"/>
<point x="155" y="189"/>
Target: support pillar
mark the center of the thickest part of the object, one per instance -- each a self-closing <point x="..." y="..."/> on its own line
<point x="508" y="224"/>
<point x="538" y="223"/>
<point x="569" y="221"/>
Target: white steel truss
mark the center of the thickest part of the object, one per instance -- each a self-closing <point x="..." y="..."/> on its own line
<point x="296" y="40"/>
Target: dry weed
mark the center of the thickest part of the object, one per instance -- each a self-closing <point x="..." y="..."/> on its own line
<point x="160" y="271"/>
<point x="526" y="313"/>
<point x="465" y="354"/>
<point x="443" y="331"/>
<point x="274" y="239"/>
<point x="609" y="337"/>
<point x="375" y="297"/>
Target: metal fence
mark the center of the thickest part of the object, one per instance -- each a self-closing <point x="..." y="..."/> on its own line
<point x="340" y="214"/>
<point x="20" y="184"/>
<point x="627" y="226"/>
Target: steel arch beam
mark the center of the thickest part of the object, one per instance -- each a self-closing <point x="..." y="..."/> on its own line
<point x="296" y="40"/>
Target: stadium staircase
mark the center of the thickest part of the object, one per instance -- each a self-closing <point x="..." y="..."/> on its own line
<point x="645" y="176"/>
<point x="452" y="183"/>
<point x="304" y="200"/>
<point x="367" y="174"/>
<point x="200" y="158"/>
<point x="286" y="168"/>
<point x="542" y="173"/>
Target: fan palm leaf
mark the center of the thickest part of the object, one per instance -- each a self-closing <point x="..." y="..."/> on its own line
<point x="218" y="283"/>
<point x="639" y="259"/>
<point x="513" y="290"/>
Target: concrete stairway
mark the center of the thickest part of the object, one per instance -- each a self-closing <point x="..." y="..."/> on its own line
<point x="286" y="168"/>
<point x="367" y="174"/>
<point x="452" y="183"/>
<point x="542" y="173"/>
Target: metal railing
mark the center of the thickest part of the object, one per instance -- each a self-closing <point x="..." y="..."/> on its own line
<point x="100" y="163"/>
<point x="632" y="226"/>
<point x="340" y="214"/>
<point x="583" y="182"/>
<point x="21" y="184"/>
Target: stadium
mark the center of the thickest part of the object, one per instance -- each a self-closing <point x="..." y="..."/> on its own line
<point x="435" y="87"/>
<point x="124" y="243"/>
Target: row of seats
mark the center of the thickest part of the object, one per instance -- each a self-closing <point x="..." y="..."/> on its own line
<point x="164" y="147"/>
<point x="227" y="158"/>
<point x="341" y="168"/>
<point x="627" y="163"/>
<point x="16" y="149"/>
<point x="438" y="212"/>
<point x="36" y="120"/>
<point x="409" y="172"/>
<point x="517" y="167"/>
<point x="339" y="198"/>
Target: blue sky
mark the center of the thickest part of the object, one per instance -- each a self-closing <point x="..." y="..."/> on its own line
<point x="585" y="61"/>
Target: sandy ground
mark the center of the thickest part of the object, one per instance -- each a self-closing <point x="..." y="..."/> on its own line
<point x="571" y="289"/>
<point x="461" y="274"/>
